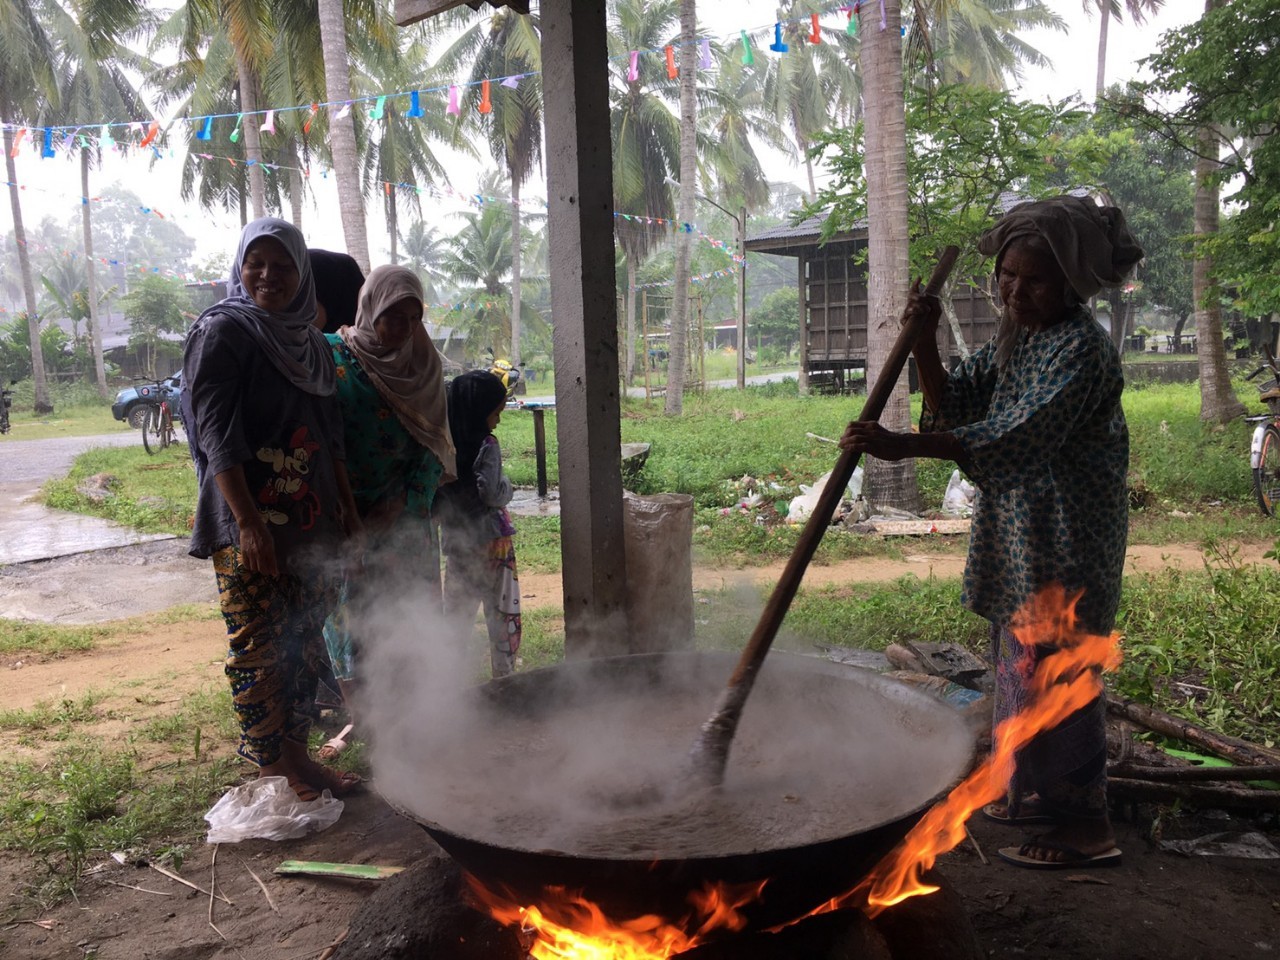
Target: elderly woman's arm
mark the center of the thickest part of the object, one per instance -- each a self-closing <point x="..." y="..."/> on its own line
<point x="870" y="438"/>
<point x="933" y="376"/>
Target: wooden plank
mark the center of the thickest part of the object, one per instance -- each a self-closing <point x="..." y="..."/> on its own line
<point x="916" y="528"/>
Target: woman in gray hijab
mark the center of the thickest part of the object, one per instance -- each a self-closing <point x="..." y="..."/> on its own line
<point x="273" y="499"/>
<point x="1034" y="419"/>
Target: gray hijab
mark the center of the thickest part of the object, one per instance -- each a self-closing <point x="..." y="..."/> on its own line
<point x="288" y="338"/>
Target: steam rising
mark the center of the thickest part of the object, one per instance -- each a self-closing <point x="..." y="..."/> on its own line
<point x="546" y="760"/>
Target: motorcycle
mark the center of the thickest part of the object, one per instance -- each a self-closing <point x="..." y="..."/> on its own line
<point x="506" y="371"/>
<point x="6" y="401"/>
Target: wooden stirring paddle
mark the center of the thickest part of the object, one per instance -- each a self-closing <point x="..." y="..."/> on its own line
<point x="710" y="753"/>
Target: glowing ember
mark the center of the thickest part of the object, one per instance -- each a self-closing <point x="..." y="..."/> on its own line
<point x="568" y="927"/>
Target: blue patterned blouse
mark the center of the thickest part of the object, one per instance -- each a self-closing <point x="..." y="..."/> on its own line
<point x="1048" y="449"/>
<point x="383" y="460"/>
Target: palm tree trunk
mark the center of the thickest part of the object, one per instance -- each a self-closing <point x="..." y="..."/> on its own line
<point x="1218" y="402"/>
<point x="342" y="133"/>
<point x="296" y="189"/>
<point x="393" y="225"/>
<point x="684" y="208"/>
<point x="252" y="142"/>
<point x="42" y="404"/>
<point x="888" y="263"/>
<point x="1105" y="18"/>
<point x="629" y="354"/>
<point x="515" y="269"/>
<point x="91" y="279"/>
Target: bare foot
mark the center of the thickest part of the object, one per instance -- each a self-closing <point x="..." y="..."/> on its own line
<point x="297" y="779"/>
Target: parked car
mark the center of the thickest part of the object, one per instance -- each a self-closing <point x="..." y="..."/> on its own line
<point x="132" y="402"/>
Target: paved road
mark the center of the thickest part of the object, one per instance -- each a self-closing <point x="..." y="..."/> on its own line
<point x="30" y="531"/>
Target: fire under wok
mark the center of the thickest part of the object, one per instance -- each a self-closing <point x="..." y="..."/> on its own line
<point x="569" y="776"/>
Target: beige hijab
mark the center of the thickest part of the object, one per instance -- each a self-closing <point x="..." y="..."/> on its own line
<point x="410" y="378"/>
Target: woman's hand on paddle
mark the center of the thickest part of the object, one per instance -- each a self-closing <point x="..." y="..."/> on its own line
<point x="867" y="436"/>
<point x="925" y="311"/>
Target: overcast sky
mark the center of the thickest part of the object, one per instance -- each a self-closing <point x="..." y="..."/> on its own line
<point x="51" y="187"/>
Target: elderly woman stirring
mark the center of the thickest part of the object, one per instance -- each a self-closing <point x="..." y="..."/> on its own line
<point x="273" y="502"/>
<point x="390" y="387"/>
<point x="1034" y="418"/>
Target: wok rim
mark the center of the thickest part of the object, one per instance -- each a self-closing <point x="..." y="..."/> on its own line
<point x="799" y="662"/>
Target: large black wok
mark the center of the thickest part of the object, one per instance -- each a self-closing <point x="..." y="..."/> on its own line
<point x="555" y="778"/>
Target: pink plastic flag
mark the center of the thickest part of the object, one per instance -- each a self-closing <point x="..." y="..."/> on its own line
<point x="633" y="74"/>
<point x="704" y="48"/>
<point x="511" y="83"/>
<point x="453" y="109"/>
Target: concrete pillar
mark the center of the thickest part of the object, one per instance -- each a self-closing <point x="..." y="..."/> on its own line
<point x="579" y="163"/>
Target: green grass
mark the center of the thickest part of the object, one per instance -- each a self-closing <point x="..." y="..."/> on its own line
<point x="730" y="443"/>
<point x="154" y="494"/>
<point x="87" y="801"/>
<point x="78" y="411"/>
<point x="1200" y="644"/>
<point x="48" y="639"/>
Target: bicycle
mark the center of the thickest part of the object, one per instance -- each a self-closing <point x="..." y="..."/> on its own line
<point x="158" y="429"/>
<point x="1264" y="447"/>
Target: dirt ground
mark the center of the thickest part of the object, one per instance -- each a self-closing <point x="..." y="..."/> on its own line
<point x="1158" y="904"/>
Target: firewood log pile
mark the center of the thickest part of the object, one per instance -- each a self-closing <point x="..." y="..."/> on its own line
<point x="1141" y="772"/>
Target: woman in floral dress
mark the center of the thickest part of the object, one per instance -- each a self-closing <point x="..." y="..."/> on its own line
<point x="1034" y="418"/>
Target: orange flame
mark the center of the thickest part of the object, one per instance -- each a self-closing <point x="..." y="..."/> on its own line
<point x="1063" y="682"/>
<point x="567" y="926"/>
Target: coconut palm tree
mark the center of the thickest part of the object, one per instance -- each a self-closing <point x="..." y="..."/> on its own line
<point x="811" y="82"/>
<point x="888" y="263"/>
<point x="674" y="402"/>
<point x="425" y="252"/>
<point x="343" y="137"/>
<point x="96" y="68"/>
<point x="509" y="47"/>
<point x="399" y="146"/>
<point x="28" y="88"/>
<point x="977" y="41"/>
<point x="1107" y="9"/>
<point x="479" y="264"/>
<point x="646" y="142"/>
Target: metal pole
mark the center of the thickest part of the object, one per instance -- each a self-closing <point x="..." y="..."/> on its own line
<point x="742" y="299"/>
<point x="540" y="449"/>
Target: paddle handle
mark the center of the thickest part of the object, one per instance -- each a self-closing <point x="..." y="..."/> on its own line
<point x="877" y="398"/>
<point x="710" y="753"/>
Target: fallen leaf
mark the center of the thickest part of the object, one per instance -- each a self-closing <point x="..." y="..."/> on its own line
<point x="1087" y="878"/>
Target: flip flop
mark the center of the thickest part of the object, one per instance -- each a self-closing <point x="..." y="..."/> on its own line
<point x="1075" y="860"/>
<point x="333" y="748"/>
<point x="999" y="813"/>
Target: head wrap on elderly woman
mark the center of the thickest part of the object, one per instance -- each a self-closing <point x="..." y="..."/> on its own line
<point x="1092" y="244"/>
<point x="410" y="378"/>
<point x="288" y="338"/>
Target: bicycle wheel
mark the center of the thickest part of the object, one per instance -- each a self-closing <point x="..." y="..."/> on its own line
<point x="1266" y="476"/>
<point x="151" y="430"/>
<point x="166" y="426"/>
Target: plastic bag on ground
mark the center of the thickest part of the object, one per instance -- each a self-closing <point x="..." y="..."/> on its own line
<point x="802" y="506"/>
<point x="268" y="809"/>
<point x="958" y="500"/>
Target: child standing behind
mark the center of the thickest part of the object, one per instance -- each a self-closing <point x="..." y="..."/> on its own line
<point x="480" y="564"/>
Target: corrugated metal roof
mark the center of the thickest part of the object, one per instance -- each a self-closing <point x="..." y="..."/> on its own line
<point x="807" y="231"/>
